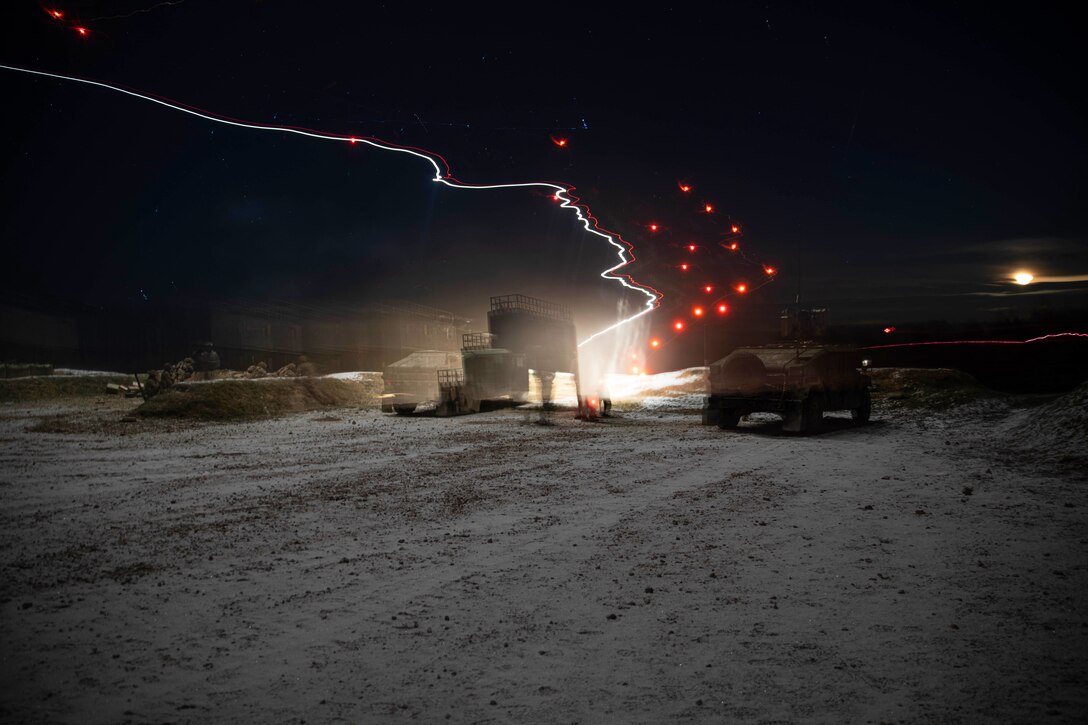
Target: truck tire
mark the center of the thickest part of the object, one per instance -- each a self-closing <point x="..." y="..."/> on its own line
<point x="404" y="408"/>
<point x="862" y="412"/>
<point x="728" y="418"/>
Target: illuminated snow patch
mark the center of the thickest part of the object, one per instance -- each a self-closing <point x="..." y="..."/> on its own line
<point x="666" y="385"/>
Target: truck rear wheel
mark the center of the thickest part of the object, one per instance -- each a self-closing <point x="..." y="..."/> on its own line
<point x="862" y="412"/>
<point x="404" y="408"/>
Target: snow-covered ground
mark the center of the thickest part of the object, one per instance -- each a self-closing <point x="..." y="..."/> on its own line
<point x="351" y="566"/>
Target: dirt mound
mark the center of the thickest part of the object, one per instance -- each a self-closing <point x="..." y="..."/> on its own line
<point x="1067" y="417"/>
<point x="43" y="387"/>
<point x="929" y="388"/>
<point x="263" y="398"/>
<point x="1055" y="431"/>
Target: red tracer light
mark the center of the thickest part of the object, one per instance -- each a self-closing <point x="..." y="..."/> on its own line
<point x="684" y="187"/>
<point x="733" y="246"/>
<point x="889" y="330"/>
<point x="697" y="311"/>
<point x="655" y="343"/>
<point x="56" y="14"/>
<point x="82" y="31"/>
<point x="678" y="325"/>
<point x="684" y="267"/>
<point x="709" y="208"/>
<point x="769" y="270"/>
<point x="691" y="247"/>
<point x="560" y="142"/>
<point x="722" y="309"/>
<point x="709" y="288"/>
<point x="742" y="288"/>
<point x="653" y="227"/>
<point x="735" y="228"/>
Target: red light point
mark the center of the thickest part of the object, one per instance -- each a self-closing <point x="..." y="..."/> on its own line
<point x="655" y="343"/>
<point x="889" y="330"/>
<point x="722" y="309"/>
<point x="769" y="270"/>
<point x="735" y="228"/>
<point x="684" y="267"/>
<point x="560" y="142"/>
<point x="678" y="325"/>
<point x="733" y="246"/>
<point x="709" y="209"/>
<point x="82" y="31"/>
<point x="691" y="247"/>
<point x="653" y="227"/>
<point x="684" y="187"/>
<point x="742" y="288"/>
<point x="697" y="311"/>
<point x="709" y="288"/>
<point x="56" y="14"/>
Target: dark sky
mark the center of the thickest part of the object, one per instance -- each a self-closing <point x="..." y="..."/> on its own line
<point x="894" y="162"/>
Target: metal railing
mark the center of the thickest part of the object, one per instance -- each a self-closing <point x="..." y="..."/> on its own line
<point x="532" y="305"/>
<point x="450" y="378"/>
<point x="477" y="341"/>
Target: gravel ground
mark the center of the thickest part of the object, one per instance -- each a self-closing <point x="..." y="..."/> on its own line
<point x="351" y="566"/>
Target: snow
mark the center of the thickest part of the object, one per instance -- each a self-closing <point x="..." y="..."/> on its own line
<point x="360" y="377"/>
<point x="349" y="565"/>
<point x="1055" y="433"/>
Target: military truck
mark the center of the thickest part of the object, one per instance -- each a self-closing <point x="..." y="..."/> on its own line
<point x="489" y="378"/>
<point x="414" y="380"/>
<point x="798" y="382"/>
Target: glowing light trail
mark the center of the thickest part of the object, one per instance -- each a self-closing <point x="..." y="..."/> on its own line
<point x="137" y="12"/>
<point x="561" y="192"/>
<point x="980" y="342"/>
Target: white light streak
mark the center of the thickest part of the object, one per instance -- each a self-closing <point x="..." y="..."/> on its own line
<point x="561" y="192"/>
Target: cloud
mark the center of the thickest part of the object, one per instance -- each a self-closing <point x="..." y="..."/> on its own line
<point x="1021" y="246"/>
<point x="1025" y="293"/>
<point x="1064" y="278"/>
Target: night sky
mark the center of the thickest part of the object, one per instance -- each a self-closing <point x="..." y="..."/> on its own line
<point x="895" y="163"/>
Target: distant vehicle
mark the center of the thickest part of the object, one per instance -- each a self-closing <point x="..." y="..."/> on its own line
<point x="413" y="380"/>
<point x="798" y="382"/>
<point x="490" y="378"/>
